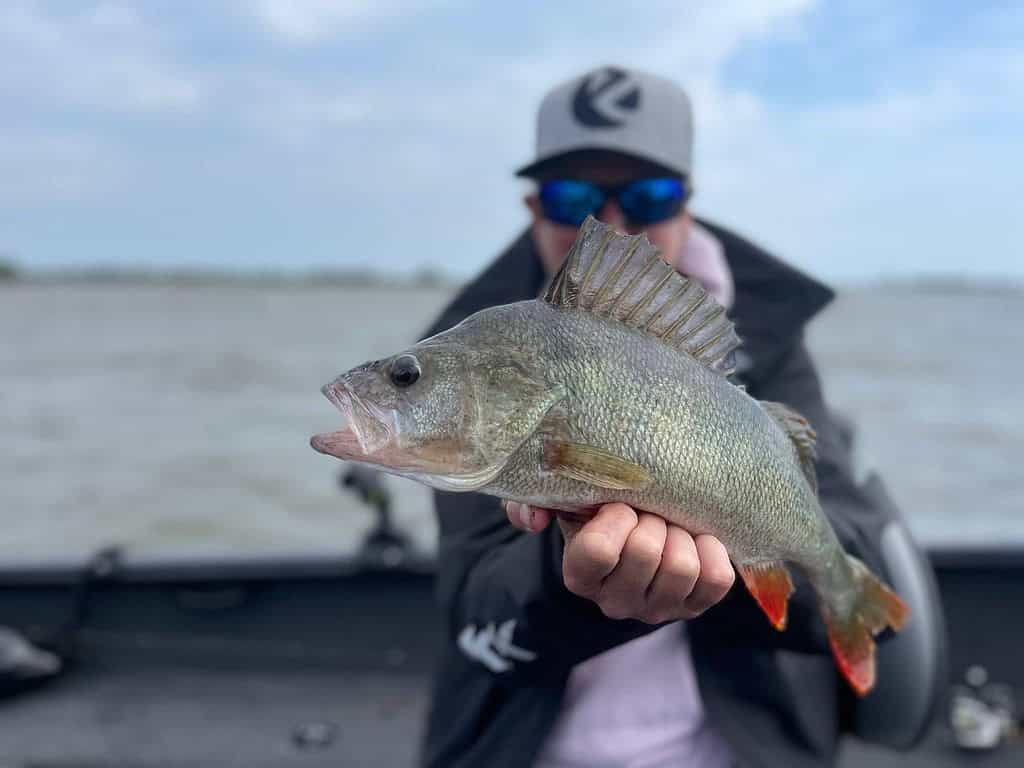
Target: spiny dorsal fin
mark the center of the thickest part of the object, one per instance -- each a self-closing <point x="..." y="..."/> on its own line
<point x="622" y="277"/>
<point x="802" y="435"/>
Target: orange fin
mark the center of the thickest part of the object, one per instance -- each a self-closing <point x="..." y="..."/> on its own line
<point x="854" y="652"/>
<point x="771" y="586"/>
<point x="875" y="607"/>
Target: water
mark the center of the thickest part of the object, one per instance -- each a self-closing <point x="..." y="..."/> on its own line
<point x="174" y="420"/>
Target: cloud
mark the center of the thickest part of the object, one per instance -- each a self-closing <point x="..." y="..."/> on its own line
<point x="313" y="21"/>
<point x="433" y="132"/>
<point x="455" y="95"/>
<point x="104" y="57"/>
<point x="355" y="128"/>
<point x="73" y="166"/>
<point x="907" y="179"/>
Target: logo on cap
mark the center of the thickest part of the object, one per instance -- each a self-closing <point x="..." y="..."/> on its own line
<point x="605" y="98"/>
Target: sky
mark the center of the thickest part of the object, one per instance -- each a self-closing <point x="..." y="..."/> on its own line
<point x="858" y="140"/>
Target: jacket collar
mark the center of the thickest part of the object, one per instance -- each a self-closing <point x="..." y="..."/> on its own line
<point x="774" y="300"/>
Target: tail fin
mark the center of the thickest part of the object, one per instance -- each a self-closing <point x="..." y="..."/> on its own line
<point x="851" y="633"/>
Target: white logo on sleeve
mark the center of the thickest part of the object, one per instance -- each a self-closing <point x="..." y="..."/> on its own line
<point x="492" y="646"/>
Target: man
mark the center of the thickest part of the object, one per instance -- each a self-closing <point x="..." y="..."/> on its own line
<point x="627" y="641"/>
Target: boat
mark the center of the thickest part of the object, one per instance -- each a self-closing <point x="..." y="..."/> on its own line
<point x="315" y="662"/>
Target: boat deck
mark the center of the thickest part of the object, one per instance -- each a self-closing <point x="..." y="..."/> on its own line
<point x="330" y="664"/>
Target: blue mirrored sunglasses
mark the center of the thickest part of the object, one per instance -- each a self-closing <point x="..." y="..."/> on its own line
<point x="646" y="201"/>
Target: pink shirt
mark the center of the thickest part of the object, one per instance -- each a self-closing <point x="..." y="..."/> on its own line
<point x="703" y="258"/>
<point x="635" y="706"/>
<point x="638" y="705"/>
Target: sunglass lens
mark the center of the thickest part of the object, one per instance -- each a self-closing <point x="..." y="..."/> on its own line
<point x="651" y="200"/>
<point x="568" y="201"/>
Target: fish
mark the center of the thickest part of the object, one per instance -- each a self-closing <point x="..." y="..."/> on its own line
<point x="617" y="385"/>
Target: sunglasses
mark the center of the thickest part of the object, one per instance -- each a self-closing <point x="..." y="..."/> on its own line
<point x="646" y="201"/>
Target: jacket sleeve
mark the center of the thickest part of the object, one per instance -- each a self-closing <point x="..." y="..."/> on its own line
<point x="858" y="513"/>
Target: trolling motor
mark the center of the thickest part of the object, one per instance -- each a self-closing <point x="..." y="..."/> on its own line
<point x="384" y="545"/>
<point x="22" y="664"/>
<point x="25" y="664"/>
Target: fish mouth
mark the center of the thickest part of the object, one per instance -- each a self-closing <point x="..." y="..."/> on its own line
<point x="370" y="428"/>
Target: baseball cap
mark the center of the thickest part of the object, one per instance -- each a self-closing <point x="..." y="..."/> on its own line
<point x="614" y="109"/>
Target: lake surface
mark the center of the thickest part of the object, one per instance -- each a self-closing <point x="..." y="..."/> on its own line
<point x="174" y="420"/>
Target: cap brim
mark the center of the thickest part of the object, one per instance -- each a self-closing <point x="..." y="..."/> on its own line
<point x="571" y="160"/>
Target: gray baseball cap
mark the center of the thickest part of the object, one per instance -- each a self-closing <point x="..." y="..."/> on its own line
<point x="619" y="110"/>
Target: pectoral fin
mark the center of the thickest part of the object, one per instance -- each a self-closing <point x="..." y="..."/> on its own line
<point x="593" y="465"/>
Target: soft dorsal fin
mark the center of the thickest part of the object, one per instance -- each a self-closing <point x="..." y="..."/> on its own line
<point x="622" y="277"/>
<point x="802" y="435"/>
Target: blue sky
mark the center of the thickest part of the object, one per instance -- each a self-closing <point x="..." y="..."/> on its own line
<point x="856" y="139"/>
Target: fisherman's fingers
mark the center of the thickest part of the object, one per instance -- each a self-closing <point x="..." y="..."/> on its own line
<point x="676" y="577"/>
<point x="526" y="517"/>
<point x="633" y="564"/>
<point x="624" y="591"/>
<point x="716" y="576"/>
<point x="595" y="550"/>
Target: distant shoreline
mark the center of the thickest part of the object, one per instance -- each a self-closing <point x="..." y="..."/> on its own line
<point x="938" y="284"/>
<point x="200" y="277"/>
<point x="424" y="279"/>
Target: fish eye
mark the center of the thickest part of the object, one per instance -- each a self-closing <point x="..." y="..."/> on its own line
<point x="405" y="371"/>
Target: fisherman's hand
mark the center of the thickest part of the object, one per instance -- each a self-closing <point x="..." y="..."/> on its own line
<point x="634" y="565"/>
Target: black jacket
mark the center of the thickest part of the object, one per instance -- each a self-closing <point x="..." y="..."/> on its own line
<point x="774" y="696"/>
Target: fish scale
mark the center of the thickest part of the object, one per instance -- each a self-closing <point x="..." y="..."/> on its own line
<point x="643" y="406"/>
<point x="614" y="387"/>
